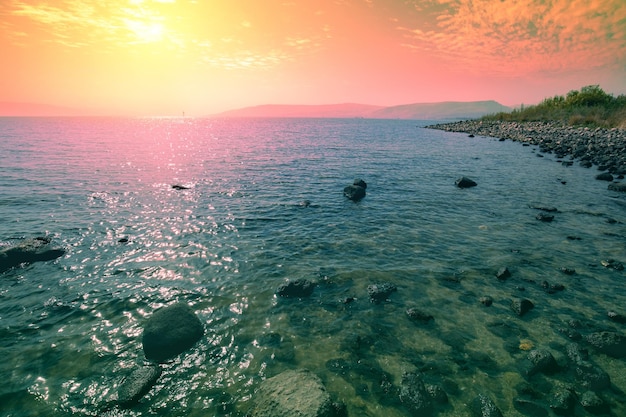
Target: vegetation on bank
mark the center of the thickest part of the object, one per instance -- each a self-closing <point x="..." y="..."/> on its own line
<point x="590" y="106"/>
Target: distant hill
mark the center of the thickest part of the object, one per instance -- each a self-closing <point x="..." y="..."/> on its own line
<point x="422" y="111"/>
<point x="442" y="110"/>
<point x="9" y="109"/>
<point x="345" y="110"/>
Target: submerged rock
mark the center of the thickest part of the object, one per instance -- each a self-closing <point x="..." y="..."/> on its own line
<point x="354" y="192"/>
<point x="297" y="289"/>
<point x="293" y="393"/>
<point x="540" y="361"/>
<point x="609" y="343"/>
<point x="38" y="249"/>
<point x="380" y="292"/>
<point x="414" y="395"/>
<point x="483" y="406"/>
<point x="544" y="217"/>
<point x="170" y="331"/>
<point x="563" y="401"/>
<point x="618" y="186"/>
<point x="503" y="274"/>
<point x="418" y="316"/>
<point x="137" y="384"/>
<point x="521" y="306"/>
<point x="605" y="176"/>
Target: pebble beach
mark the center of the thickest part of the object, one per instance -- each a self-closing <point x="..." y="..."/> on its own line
<point x="605" y="148"/>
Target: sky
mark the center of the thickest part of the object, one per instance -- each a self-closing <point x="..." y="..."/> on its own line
<point x="165" y="57"/>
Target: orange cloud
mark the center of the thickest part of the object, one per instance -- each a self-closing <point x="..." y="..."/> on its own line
<point x="520" y="37"/>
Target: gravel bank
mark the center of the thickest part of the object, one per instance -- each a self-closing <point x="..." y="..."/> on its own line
<point x="605" y="148"/>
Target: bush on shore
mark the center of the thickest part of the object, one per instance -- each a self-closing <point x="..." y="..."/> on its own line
<point x="590" y="106"/>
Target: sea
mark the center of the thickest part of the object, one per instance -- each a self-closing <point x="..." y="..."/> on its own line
<point x="261" y="203"/>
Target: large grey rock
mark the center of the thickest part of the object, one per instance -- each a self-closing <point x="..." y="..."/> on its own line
<point x="292" y="393"/>
<point x="137" y="384"/>
<point x="170" y="331"/>
<point x="28" y="251"/>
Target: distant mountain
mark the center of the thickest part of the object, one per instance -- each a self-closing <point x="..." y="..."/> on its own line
<point x="442" y="110"/>
<point x="10" y="109"/>
<point x="422" y="111"/>
<point x="345" y="110"/>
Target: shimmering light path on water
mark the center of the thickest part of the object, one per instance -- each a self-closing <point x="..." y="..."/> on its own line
<point x="70" y="329"/>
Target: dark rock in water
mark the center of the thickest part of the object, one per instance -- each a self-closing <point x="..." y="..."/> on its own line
<point x="305" y="203"/>
<point x="354" y="192"/>
<point x="137" y="384"/>
<point x="521" y="306"/>
<point x="591" y="376"/>
<point x="437" y="394"/>
<point x="612" y="264"/>
<point x="122" y="240"/>
<point x="618" y="186"/>
<point x="414" y="396"/>
<point x="416" y="315"/>
<point x="576" y="354"/>
<point x="568" y="271"/>
<point x="605" y="176"/>
<point x="616" y="317"/>
<point x="541" y="361"/>
<point x="544" y="217"/>
<point x="360" y="183"/>
<point x="529" y="408"/>
<point x="170" y="331"/>
<point x="38" y="249"/>
<point x="470" y="136"/>
<point x="486" y="301"/>
<point x="483" y="406"/>
<point x="545" y="208"/>
<point x="296" y="289"/>
<point x="179" y="187"/>
<point x="503" y="274"/>
<point x="586" y="164"/>
<point x="592" y="403"/>
<point x="563" y="401"/>
<point x="609" y="343"/>
<point x="292" y="393"/>
<point x="465" y="182"/>
<point x="380" y="292"/>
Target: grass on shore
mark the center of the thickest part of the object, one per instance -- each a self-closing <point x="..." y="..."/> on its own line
<point x="590" y="106"/>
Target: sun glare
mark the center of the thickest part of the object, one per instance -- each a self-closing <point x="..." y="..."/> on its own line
<point x="146" y="32"/>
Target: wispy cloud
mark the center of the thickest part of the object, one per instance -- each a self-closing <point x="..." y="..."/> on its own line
<point x="516" y="37"/>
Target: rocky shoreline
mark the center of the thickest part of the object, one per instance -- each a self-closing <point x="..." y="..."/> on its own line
<point x="605" y="148"/>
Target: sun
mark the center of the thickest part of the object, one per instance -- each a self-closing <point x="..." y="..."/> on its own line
<point x="146" y="32"/>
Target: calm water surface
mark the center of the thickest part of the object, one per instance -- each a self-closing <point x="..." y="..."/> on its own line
<point x="70" y="329"/>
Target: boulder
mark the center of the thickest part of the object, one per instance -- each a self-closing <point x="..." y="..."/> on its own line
<point x="354" y="192"/>
<point x="360" y="183"/>
<point x="483" y="406"/>
<point x="137" y="384"/>
<point x="609" y="343"/>
<point x="465" y="182"/>
<point x="521" y="306"/>
<point x="296" y="289"/>
<point x="38" y="249"/>
<point x="292" y="393"/>
<point x="547" y="218"/>
<point x="563" y="401"/>
<point x="415" y="396"/>
<point x="541" y="361"/>
<point x="418" y="316"/>
<point x="592" y="403"/>
<point x="605" y="176"/>
<point x="503" y="273"/>
<point x="591" y="376"/>
<point x="380" y="292"/>
<point x="170" y="331"/>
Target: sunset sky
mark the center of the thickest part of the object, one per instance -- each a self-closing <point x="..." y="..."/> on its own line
<point x="163" y="57"/>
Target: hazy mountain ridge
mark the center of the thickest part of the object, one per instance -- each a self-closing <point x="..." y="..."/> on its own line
<point x="422" y="111"/>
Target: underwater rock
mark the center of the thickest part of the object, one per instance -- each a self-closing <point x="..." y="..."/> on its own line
<point x="605" y="176"/>
<point x="612" y="264"/>
<point x="170" y="331"/>
<point x="529" y="408"/>
<point x="483" y="406"/>
<point x="609" y="343"/>
<point x="546" y="218"/>
<point x="418" y="316"/>
<point x="521" y="306"/>
<point x="179" y="187"/>
<point x="38" y="249"/>
<point x="576" y="354"/>
<point x="616" y="317"/>
<point x="414" y="396"/>
<point x="465" y="182"/>
<point x="297" y="289"/>
<point x="563" y="401"/>
<point x="503" y="273"/>
<point x="487" y="301"/>
<point x="360" y="183"/>
<point x="540" y="361"/>
<point x="591" y="376"/>
<point x="618" y="186"/>
<point x="592" y="403"/>
<point x="380" y="292"/>
<point x="292" y="393"/>
<point x="137" y="384"/>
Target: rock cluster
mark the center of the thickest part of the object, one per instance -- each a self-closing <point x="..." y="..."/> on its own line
<point x="605" y="148"/>
<point x="356" y="191"/>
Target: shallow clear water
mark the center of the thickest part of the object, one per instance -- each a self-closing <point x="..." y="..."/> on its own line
<point x="70" y="329"/>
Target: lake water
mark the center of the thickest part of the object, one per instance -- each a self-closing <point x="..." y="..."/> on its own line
<point x="70" y="329"/>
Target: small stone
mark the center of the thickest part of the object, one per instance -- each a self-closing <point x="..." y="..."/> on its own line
<point x="544" y="217"/>
<point x="416" y="315"/>
<point x="465" y="182"/>
<point x="503" y="273"/>
<point x="568" y="271"/>
<point x="616" y="317"/>
<point x="486" y="301"/>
